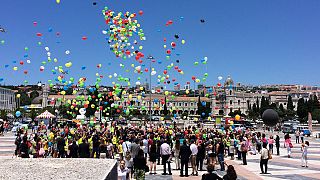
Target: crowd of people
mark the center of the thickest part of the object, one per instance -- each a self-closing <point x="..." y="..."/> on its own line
<point x="139" y="150"/>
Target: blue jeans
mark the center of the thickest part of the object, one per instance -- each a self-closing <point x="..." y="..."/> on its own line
<point x="221" y="161"/>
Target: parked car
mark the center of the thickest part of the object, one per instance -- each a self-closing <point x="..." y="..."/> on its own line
<point x="306" y="132"/>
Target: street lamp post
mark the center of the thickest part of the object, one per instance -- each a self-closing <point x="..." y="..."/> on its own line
<point x="150" y="60"/>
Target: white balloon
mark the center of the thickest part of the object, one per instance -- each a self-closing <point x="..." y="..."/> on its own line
<point x="138" y="83"/>
<point x="42" y="67"/>
<point x="138" y="68"/>
<point x="28" y="61"/>
<point x="67" y="52"/>
<point x="48" y="54"/>
<point x="153" y="73"/>
<point x="220" y="78"/>
<point x="47" y="48"/>
<point x="115" y="74"/>
<point x="206" y="58"/>
<point x="104" y="32"/>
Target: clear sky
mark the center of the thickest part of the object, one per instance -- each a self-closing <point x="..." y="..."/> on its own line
<point x="256" y="42"/>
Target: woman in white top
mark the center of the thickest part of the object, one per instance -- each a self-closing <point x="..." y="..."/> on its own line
<point x="264" y="158"/>
<point x="304" y="159"/>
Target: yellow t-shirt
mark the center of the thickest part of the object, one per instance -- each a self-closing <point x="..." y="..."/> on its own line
<point x="120" y="148"/>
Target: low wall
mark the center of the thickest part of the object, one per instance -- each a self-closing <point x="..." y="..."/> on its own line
<point x="54" y="168"/>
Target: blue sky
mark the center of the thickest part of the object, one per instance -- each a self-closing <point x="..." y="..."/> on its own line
<point x="256" y="42"/>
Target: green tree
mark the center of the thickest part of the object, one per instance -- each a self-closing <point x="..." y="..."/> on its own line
<point x="34" y="94"/>
<point x="33" y="114"/>
<point x="316" y="114"/>
<point x="302" y="109"/>
<point x="264" y="105"/>
<point x="24" y="98"/>
<point x="3" y="114"/>
<point x="290" y="105"/>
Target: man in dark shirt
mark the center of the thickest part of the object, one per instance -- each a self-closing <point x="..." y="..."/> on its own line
<point x="23" y="148"/>
<point x="60" y="146"/>
<point x="95" y="145"/>
<point x="220" y="149"/>
<point x="184" y="155"/>
<point x="84" y="150"/>
<point x="135" y="147"/>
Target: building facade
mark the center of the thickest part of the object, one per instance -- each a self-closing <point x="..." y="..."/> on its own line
<point x="7" y="99"/>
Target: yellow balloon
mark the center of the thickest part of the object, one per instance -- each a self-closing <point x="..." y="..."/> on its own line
<point x="58" y="1"/>
<point x="69" y="64"/>
<point x="237" y="117"/>
<point x="63" y="92"/>
<point x="18" y="95"/>
<point x="164" y="46"/>
<point x="15" y="68"/>
<point x="166" y="93"/>
<point x="141" y="88"/>
<point x="183" y="41"/>
<point x="231" y="123"/>
<point x="139" y="97"/>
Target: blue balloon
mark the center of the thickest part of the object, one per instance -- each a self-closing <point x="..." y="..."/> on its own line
<point x="6" y="65"/>
<point x="1" y="79"/>
<point x="159" y="62"/>
<point x="83" y="68"/>
<point x="203" y="114"/>
<point x="204" y="103"/>
<point x="26" y="55"/>
<point x="18" y="113"/>
<point x="50" y="29"/>
<point x="14" y="62"/>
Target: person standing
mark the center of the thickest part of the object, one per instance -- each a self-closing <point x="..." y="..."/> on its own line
<point x="194" y="152"/>
<point x="123" y="171"/>
<point x="201" y="155"/>
<point x="184" y="155"/>
<point x="60" y="145"/>
<point x="140" y="163"/>
<point x="264" y="158"/>
<point x="304" y="158"/>
<point x="176" y="152"/>
<point x="84" y="149"/>
<point x="278" y="145"/>
<point x="73" y="150"/>
<point x="95" y="146"/>
<point x="270" y="142"/>
<point x="301" y="136"/>
<point x="153" y="158"/>
<point x="244" y="150"/>
<point x="145" y="146"/>
<point x="135" y="147"/>
<point x="23" y="149"/>
<point x="288" y="144"/>
<point x="165" y="152"/>
<point x="220" y="151"/>
<point x="297" y="136"/>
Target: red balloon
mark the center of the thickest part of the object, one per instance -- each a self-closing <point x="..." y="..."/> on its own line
<point x="179" y="70"/>
<point x="25" y="72"/>
<point x="101" y="107"/>
<point x="168" y="51"/>
<point x="128" y="52"/>
<point x="21" y="62"/>
<point x="176" y="67"/>
<point x="118" y="110"/>
<point x="188" y="82"/>
<point x="140" y="12"/>
<point x="146" y="70"/>
<point x="165" y="72"/>
<point x="173" y="44"/>
<point x="39" y="34"/>
<point x="193" y="78"/>
<point x="84" y="38"/>
<point x="219" y="84"/>
<point x="85" y="106"/>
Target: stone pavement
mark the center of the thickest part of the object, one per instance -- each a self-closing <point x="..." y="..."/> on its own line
<point x="7" y="146"/>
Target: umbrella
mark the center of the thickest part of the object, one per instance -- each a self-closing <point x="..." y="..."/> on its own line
<point x="46" y="115"/>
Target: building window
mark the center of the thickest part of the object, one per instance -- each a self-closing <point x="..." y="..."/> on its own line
<point x="191" y="104"/>
<point x="174" y="104"/>
<point x="238" y="102"/>
<point x="180" y="104"/>
<point x="230" y="102"/>
<point x="230" y="92"/>
<point x="185" y="104"/>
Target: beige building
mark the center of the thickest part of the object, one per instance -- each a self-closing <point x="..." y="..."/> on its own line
<point x="7" y="99"/>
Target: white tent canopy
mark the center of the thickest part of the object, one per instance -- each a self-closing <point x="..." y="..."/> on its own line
<point x="46" y="115"/>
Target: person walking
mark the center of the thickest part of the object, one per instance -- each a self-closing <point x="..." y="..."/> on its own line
<point x="301" y="136"/>
<point x="264" y="158"/>
<point x="194" y="152"/>
<point x="176" y="152"/>
<point x="278" y="145"/>
<point x="184" y="156"/>
<point x="304" y="158"/>
<point x="165" y="152"/>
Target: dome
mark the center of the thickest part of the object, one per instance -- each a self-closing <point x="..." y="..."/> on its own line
<point x="37" y="100"/>
<point x="228" y="82"/>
